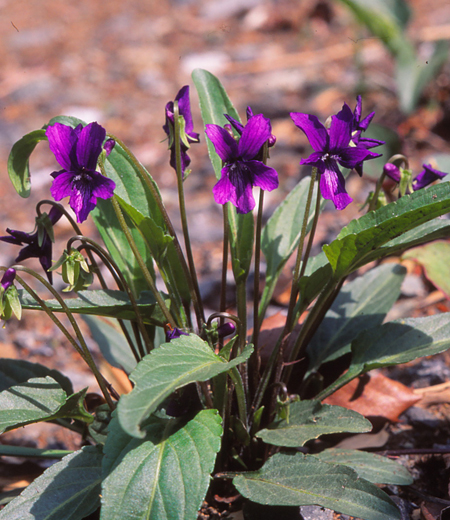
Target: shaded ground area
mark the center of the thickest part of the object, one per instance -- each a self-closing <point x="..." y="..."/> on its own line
<point x="118" y="63"/>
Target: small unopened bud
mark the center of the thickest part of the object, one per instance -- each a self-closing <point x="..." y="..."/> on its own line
<point x="174" y="333"/>
<point x="8" y="278"/>
<point x="226" y="329"/>
<point x="392" y="171"/>
<point x="108" y="146"/>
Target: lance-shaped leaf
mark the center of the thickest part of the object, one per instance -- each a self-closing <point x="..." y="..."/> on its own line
<point x="164" y="476"/>
<point x="98" y="302"/>
<point x="16" y="371"/>
<point x="67" y="490"/>
<point x="301" y="480"/>
<point x="372" y="467"/>
<point x="18" y="161"/>
<point x="362" y="236"/>
<point x="39" y="399"/>
<point x="393" y="343"/>
<point x="182" y="361"/>
<point x="361" y="304"/>
<point x="214" y="103"/>
<point x="309" y="420"/>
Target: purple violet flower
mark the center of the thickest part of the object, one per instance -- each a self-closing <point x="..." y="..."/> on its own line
<point x="77" y="151"/>
<point x="8" y="278"/>
<point x="241" y="171"/>
<point x="392" y="171"/>
<point x="426" y="177"/>
<point x="32" y="248"/>
<point x="330" y="148"/>
<point x="239" y="127"/>
<point x="184" y="109"/>
<point x="174" y="333"/>
<point x="358" y="127"/>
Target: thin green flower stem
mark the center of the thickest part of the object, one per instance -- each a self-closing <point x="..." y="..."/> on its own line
<point x="192" y="281"/>
<point x="312" y="232"/>
<point x="78" y="232"/>
<point x="147" y="275"/>
<point x="138" y="354"/>
<point x="120" y="281"/>
<point x="157" y="197"/>
<point x="240" y="395"/>
<point x="223" y="285"/>
<point x="241" y="297"/>
<point x="256" y="323"/>
<point x="82" y="349"/>
<point x="295" y="279"/>
<point x="312" y="322"/>
<point x="373" y="202"/>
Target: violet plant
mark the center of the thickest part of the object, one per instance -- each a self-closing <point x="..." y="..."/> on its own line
<point x="214" y="409"/>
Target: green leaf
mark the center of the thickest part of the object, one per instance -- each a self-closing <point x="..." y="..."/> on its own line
<point x="67" y="490"/>
<point x="393" y="343"/>
<point x="214" y="103"/>
<point x="164" y="476"/>
<point x="66" y="120"/>
<point x="281" y="234"/>
<point x="18" y="161"/>
<point x="299" y="480"/>
<point x="111" y="341"/>
<point x="25" y="451"/>
<point x="357" y="240"/>
<point x="372" y="467"/>
<point x="39" y="399"/>
<point x="309" y="420"/>
<point x="99" y="302"/>
<point x="361" y="304"/>
<point x="173" y="365"/>
<point x="17" y="371"/>
<point x="435" y="259"/>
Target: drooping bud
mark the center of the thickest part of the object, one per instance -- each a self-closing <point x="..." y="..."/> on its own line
<point x="392" y="171"/>
<point x="226" y="329"/>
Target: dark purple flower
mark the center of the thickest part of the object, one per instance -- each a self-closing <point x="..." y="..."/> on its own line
<point x="174" y="333"/>
<point x="392" y="171"/>
<point x="77" y="151"/>
<point x="239" y="127"/>
<point x="184" y="109"/>
<point x="226" y="329"/>
<point x="241" y="171"/>
<point x="32" y="247"/>
<point x="8" y="278"/>
<point x="330" y="148"/>
<point x="426" y="177"/>
<point x="358" y="127"/>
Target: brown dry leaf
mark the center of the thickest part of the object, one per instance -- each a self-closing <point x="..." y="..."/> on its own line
<point x="436" y="394"/>
<point x="375" y="395"/>
<point x="365" y="440"/>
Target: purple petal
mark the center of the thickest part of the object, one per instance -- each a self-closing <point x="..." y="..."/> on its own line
<point x="315" y="159"/>
<point x="235" y="186"/>
<point x="369" y="143"/>
<point x="357" y="113"/>
<point x="341" y="128"/>
<point x="239" y="127"/>
<point x="265" y="177"/>
<point x="392" y="171"/>
<point x="101" y="186"/>
<point x="62" y="185"/>
<point x="226" y="147"/>
<point x="108" y="146"/>
<point x="314" y="130"/>
<point x="332" y="186"/>
<point x="184" y="108"/>
<point x="364" y="124"/>
<point x="249" y="113"/>
<point x="426" y="177"/>
<point x="8" y="278"/>
<point x="350" y="157"/>
<point x="169" y="117"/>
<point x="89" y="145"/>
<point x="255" y="134"/>
<point x="62" y="141"/>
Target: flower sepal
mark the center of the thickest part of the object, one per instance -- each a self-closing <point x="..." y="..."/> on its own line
<point x="44" y="226"/>
<point x="9" y="296"/>
<point x="405" y="186"/>
<point x="74" y="271"/>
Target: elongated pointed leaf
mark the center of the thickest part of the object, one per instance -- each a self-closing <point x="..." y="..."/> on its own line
<point x="39" y="453"/>
<point x="309" y="420"/>
<point x="182" y="361"/>
<point x="361" y="304"/>
<point x="18" y="161"/>
<point x="99" y="302"/>
<point x="362" y="236"/>
<point x="214" y="103"/>
<point x="164" y="476"/>
<point x="16" y="371"/>
<point x="300" y="480"/>
<point x="39" y="399"/>
<point x="372" y="467"/>
<point x="68" y="490"/>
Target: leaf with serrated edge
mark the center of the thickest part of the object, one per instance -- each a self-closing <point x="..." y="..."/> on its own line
<point x="372" y="467"/>
<point x="309" y="420"/>
<point x="301" y="480"/>
<point x="182" y="361"/>
<point x="67" y="490"/>
<point x="164" y="476"/>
